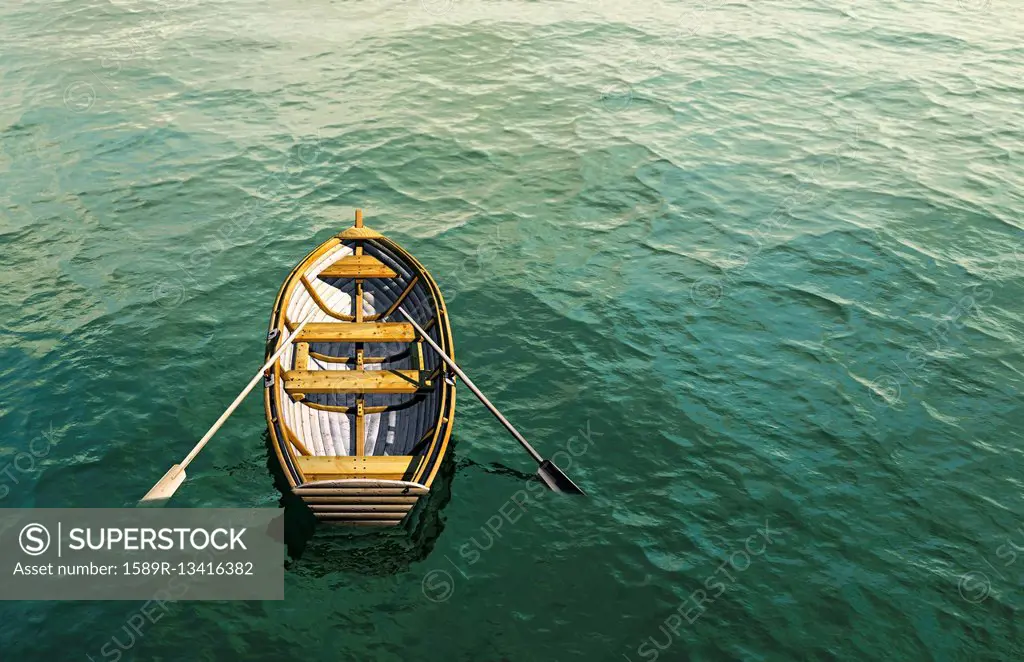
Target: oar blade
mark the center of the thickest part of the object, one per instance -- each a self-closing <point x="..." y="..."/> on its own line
<point x="556" y="479"/>
<point x="165" y="487"/>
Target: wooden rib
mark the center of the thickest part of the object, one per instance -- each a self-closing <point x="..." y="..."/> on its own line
<point x="282" y="444"/>
<point x="358" y="266"/>
<point x="442" y="431"/>
<point x="321" y="304"/>
<point x="415" y="449"/>
<point x="334" y="409"/>
<point x="351" y="381"/>
<point x="429" y="432"/>
<point x="284" y="296"/>
<point x="401" y="297"/>
<point x="419" y="356"/>
<point x="293" y="439"/>
<point x="430" y="325"/>
<point x="360" y="428"/>
<point x="350" y="359"/>
<point x="351" y="332"/>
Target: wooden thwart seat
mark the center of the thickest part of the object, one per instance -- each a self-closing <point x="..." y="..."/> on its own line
<point x="358" y="266"/>
<point x="353" y="381"/>
<point x="355" y="332"/>
<point x="335" y="467"/>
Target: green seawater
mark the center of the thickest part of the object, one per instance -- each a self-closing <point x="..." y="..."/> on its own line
<point x="759" y="263"/>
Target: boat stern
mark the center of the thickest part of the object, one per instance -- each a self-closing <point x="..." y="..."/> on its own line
<point x="361" y="502"/>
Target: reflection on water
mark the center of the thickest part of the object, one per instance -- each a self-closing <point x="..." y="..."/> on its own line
<point x="319" y="548"/>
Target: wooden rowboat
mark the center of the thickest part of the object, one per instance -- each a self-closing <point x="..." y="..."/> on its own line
<point x="360" y="412"/>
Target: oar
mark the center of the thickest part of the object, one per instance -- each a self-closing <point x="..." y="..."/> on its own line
<point x="552" y="476"/>
<point x="175" y="476"/>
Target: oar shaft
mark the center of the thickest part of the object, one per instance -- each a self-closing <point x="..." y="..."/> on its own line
<point x="472" y="387"/>
<point x="241" y="396"/>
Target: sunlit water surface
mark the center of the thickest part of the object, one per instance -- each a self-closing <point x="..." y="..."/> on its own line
<point x="758" y="263"/>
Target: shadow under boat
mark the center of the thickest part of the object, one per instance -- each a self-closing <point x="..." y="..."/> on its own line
<point x="320" y="547"/>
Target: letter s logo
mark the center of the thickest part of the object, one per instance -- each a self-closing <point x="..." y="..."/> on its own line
<point x="34" y="539"/>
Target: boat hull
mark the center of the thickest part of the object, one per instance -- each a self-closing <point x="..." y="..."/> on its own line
<point x="359" y="412"/>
